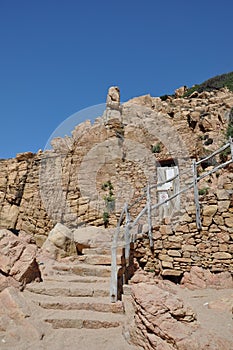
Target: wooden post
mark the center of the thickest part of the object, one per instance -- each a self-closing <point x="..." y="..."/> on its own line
<point x="114" y="269"/>
<point x="148" y="198"/>
<point x="231" y="145"/>
<point x="196" y="196"/>
<point x="127" y="235"/>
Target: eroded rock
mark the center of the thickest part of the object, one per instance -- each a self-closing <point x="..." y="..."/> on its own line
<point x="17" y="259"/>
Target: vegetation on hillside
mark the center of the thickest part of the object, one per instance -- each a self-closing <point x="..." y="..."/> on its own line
<point x="215" y="83"/>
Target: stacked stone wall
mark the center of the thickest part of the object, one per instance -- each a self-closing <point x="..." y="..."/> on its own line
<point x="179" y="246"/>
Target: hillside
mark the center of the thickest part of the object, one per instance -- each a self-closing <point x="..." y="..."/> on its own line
<point x="215" y="83"/>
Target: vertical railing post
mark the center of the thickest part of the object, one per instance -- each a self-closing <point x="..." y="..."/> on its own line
<point x="114" y="269"/>
<point x="231" y="146"/>
<point x="196" y="196"/>
<point x="127" y="234"/>
<point x="148" y="199"/>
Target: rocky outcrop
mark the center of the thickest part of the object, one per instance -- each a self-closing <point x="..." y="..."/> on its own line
<point x="66" y="185"/>
<point x="17" y="260"/>
<point x="19" y="323"/>
<point x="166" y="320"/>
<point x="199" y="278"/>
<point x="39" y="190"/>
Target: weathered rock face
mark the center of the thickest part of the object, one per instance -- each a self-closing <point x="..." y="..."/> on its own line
<point x="113" y="97"/>
<point x="65" y="185"/>
<point x="18" y="321"/>
<point x="118" y="152"/>
<point x="180" y="91"/>
<point x="164" y="320"/>
<point x="17" y="260"/>
<point x="199" y="278"/>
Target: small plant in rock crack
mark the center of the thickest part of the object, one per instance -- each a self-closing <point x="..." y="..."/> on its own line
<point x="107" y="186"/>
<point x="106" y="218"/>
<point x="156" y="148"/>
<point x="109" y="201"/>
<point x="203" y="191"/>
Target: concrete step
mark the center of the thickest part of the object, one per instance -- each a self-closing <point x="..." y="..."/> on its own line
<point x="69" y="290"/>
<point x="95" y="259"/>
<point x="100" y="304"/>
<point x="82" y="319"/>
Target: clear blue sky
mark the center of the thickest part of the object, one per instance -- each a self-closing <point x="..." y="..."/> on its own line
<point x="58" y="57"/>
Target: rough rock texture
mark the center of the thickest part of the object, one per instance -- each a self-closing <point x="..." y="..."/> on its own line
<point x="199" y="278"/>
<point x="65" y="185"/>
<point x="18" y="321"/>
<point x="39" y="190"/>
<point x="60" y="242"/>
<point x="165" y="319"/>
<point x="17" y="260"/>
<point x="113" y="97"/>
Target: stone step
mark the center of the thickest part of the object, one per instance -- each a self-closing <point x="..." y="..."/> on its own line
<point x="100" y="304"/>
<point x="100" y="251"/>
<point x="83" y="269"/>
<point x="98" y="259"/>
<point x="71" y="278"/>
<point x="82" y="319"/>
<point x="69" y="290"/>
<point x="91" y="339"/>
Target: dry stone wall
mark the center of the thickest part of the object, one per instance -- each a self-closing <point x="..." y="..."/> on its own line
<point x="179" y="246"/>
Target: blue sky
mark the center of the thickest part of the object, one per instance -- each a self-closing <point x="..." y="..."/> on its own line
<point x="58" y="57"/>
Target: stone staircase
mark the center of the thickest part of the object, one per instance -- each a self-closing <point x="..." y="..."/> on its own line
<point x="74" y="297"/>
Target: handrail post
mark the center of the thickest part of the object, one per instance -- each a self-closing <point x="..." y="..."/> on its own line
<point x="148" y="198"/>
<point x="127" y="234"/>
<point x="196" y="196"/>
<point x="231" y="146"/>
<point x="113" y="282"/>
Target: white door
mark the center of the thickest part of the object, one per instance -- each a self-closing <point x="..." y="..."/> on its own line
<point x="167" y="190"/>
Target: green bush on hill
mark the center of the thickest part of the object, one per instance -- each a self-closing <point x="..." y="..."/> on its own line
<point x="215" y="83"/>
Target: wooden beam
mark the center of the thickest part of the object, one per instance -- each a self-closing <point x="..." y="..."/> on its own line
<point x="214" y="153"/>
<point x="196" y="196"/>
<point x="148" y="197"/>
<point x="231" y="145"/>
<point x="114" y="270"/>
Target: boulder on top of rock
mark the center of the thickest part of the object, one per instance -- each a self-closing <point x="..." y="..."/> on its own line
<point x="113" y="97"/>
<point x="180" y="91"/>
<point x="59" y="243"/>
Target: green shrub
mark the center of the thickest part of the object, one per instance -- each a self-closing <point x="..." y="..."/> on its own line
<point x="156" y="148"/>
<point x="215" y="83"/>
<point x="106" y="218"/>
<point x="203" y="191"/>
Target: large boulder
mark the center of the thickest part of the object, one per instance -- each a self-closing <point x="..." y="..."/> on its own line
<point x="199" y="278"/>
<point x="18" y="322"/>
<point x="165" y="320"/>
<point x="59" y="243"/>
<point x="17" y="259"/>
<point x="93" y="237"/>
